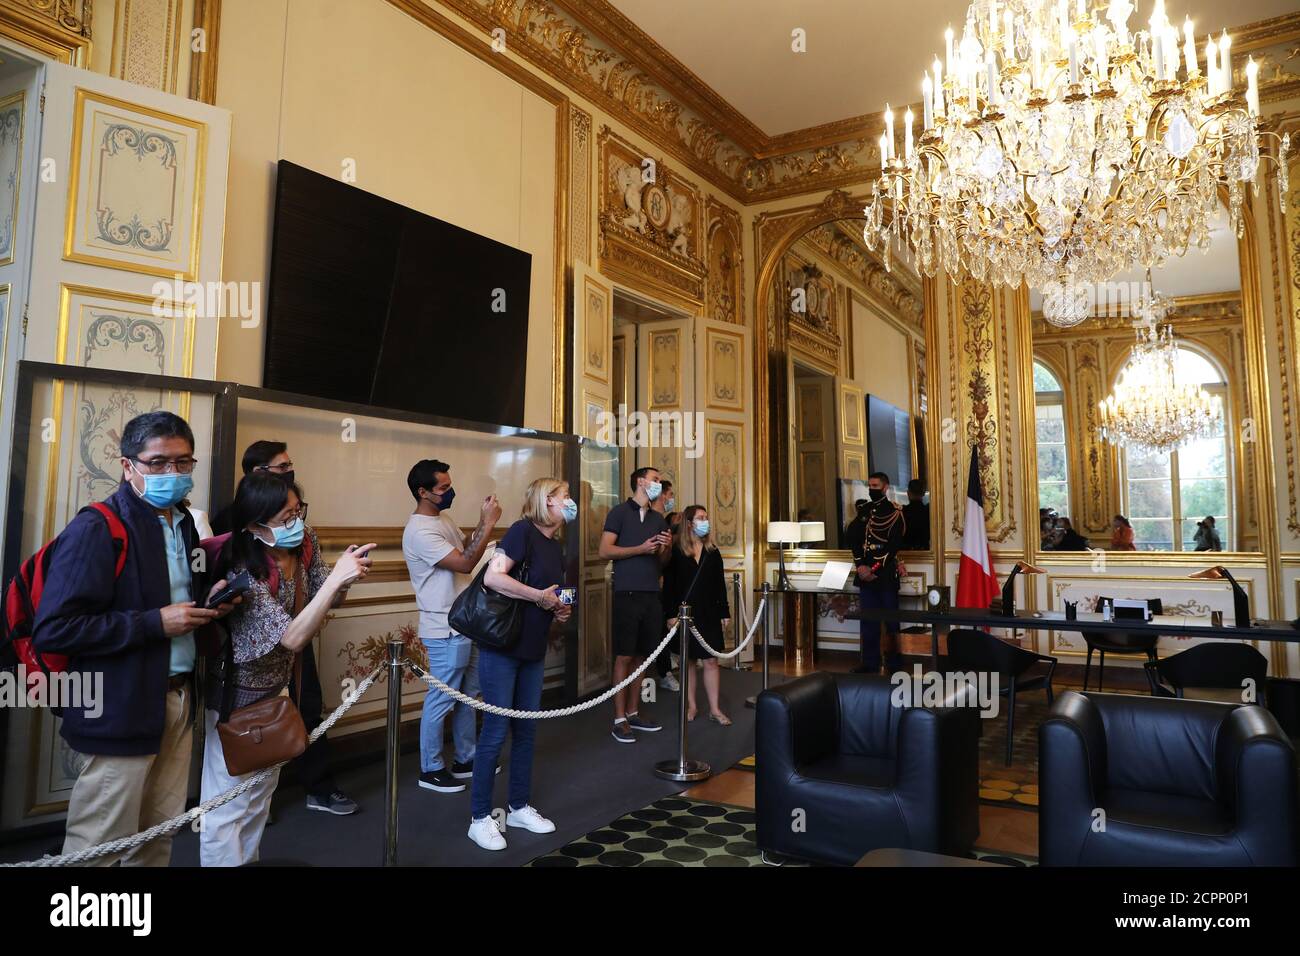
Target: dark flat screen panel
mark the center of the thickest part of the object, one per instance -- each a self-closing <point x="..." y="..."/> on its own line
<point x="373" y="302"/>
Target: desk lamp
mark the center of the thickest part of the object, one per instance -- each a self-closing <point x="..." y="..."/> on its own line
<point x="1240" y="600"/>
<point x="781" y="533"/>
<point x="1008" y="608"/>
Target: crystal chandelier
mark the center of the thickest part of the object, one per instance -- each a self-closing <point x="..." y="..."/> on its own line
<point x="1059" y="149"/>
<point x="1149" y="408"/>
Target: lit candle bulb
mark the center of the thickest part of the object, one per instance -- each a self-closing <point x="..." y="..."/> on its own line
<point x="1103" y="66"/>
<point x="1008" y="36"/>
<point x="889" y="129"/>
<point x="1117" y="14"/>
<point x="1189" y="48"/>
<point x="1063" y="21"/>
<point x="938" y="89"/>
<point x="1225" y="62"/>
<point x="1036" y="62"/>
<point x="884" y="151"/>
<point x="1171" y="54"/>
<point x="947" y="39"/>
<point x="927" y="101"/>
<point x="1212" y="76"/>
<point x="995" y="95"/>
<point x="1074" y="59"/>
<point x="1158" y="19"/>
<point x="907" y="136"/>
<point x="1252" y="86"/>
<point x="1158" y="56"/>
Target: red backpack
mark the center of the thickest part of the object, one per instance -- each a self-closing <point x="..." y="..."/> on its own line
<point x="23" y="597"/>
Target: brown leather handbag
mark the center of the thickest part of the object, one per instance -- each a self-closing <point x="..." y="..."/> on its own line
<point x="268" y="731"/>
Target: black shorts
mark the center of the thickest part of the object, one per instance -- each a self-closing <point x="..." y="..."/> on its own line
<point x="638" y="623"/>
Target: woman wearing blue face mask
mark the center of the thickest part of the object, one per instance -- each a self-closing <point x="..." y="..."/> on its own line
<point x="292" y="591"/>
<point x="694" y="575"/>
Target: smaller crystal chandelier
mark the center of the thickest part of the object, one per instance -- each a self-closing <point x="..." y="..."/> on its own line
<point x="1149" y="409"/>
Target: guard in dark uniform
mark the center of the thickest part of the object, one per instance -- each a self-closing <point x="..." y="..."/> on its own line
<point x="876" y="537"/>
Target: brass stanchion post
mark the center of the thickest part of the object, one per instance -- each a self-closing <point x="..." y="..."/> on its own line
<point x="391" y="757"/>
<point x="682" y="768"/>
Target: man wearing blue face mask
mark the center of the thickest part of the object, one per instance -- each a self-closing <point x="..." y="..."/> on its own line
<point x="135" y="628"/>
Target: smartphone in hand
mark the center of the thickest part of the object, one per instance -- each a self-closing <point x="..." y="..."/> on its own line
<point x="236" y="586"/>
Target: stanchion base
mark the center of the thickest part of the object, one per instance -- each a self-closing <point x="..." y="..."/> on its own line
<point x="681" y="772"/>
<point x="751" y="702"/>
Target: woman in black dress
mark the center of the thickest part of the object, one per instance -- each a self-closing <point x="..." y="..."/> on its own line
<point x="694" y="575"/>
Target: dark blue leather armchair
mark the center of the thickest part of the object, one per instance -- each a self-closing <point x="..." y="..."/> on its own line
<point x="1144" y="781"/>
<point x="866" y="774"/>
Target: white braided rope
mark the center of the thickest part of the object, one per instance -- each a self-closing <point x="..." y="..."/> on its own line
<point x="189" y="816"/>
<point x="541" y="714"/>
<point x="758" y="617"/>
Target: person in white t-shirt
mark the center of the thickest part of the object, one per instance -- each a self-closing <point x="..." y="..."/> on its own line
<point x="436" y="553"/>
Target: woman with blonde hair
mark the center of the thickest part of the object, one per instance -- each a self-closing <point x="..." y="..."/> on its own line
<point x="694" y="576"/>
<point x="513" y="677"/>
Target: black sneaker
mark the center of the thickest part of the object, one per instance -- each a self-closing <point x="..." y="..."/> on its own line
<point x="337" y="803"/>
<point x="465" y="771"/>
<point x="647" y="726"/>
<point x="441" y="780"/>
<point x="622" y="733"/>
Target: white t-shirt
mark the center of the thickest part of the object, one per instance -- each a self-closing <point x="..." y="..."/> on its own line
<point x="426" y="541"/>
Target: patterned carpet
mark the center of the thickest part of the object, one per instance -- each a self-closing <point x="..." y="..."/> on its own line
<point x="1016" y="785"/>
<point x="677" y="831"/>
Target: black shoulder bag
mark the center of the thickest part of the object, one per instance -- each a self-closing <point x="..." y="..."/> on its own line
<point x="486" y="617"/>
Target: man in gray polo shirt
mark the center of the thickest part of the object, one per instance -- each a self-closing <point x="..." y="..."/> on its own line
<point x="637" y="540"/>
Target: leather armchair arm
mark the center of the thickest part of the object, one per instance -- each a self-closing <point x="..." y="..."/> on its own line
<point x="1071" y="775"/>
<point x="1255" y="767"/>
<point x="797" y="722"/>
<point x="937" y="776"/>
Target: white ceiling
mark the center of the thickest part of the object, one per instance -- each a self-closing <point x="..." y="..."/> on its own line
<point x="860" y="53"/>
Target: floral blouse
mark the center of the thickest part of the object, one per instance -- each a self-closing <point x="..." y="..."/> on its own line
<point x="263" y="665"/>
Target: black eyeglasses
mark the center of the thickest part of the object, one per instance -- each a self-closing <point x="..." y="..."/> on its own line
<point x="279" y="469"/>
<point x="162" y="465"/>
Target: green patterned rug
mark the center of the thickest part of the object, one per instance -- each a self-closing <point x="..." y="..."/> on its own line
<point x="678" y="831"/>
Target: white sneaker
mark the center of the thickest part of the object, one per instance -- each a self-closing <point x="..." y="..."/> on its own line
<point x="486" y="834"/>
<point x="529" y="819"/>
<point x="669" y="682"/>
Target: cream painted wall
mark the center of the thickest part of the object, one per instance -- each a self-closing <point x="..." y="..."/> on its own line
<point x="881" y="357"/>
<point x="322" y="82"/>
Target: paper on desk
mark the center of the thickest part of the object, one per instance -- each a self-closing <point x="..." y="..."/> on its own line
<point x="835" y="576"/>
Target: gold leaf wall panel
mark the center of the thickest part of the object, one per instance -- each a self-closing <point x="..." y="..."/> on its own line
<point x="580" y="184"/>
<point x="725" y="379"/>
<point x="724" y="442"/>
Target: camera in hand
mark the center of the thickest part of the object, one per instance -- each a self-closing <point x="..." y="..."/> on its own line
<point x="236" y="586"/>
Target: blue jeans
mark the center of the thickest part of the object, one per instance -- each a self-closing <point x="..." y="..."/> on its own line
<point x="454" y="662"/>
<point x="869" y="631"/>
<point x="507" y="682"/>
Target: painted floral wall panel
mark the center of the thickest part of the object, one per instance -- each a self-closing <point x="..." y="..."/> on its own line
<point x="136" y="181"/>
<point x="724" y="445"/>
<point x="11" y="166"/>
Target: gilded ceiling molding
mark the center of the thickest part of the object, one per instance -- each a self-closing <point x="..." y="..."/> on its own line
<point x="1187" y="310"/>
<point x="843" y="244"/>
<point x="203" y="63"/>
<point x="587" y="53"/>
<point x="60" y="29"/>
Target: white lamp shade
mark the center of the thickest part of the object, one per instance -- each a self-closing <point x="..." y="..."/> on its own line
<point x="783" y="532"/>
<point x="812" y="530"/>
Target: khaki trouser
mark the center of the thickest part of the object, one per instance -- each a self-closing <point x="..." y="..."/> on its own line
<point x="115" y="797"/>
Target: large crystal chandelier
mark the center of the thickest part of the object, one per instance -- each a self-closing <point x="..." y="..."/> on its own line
<point x="1149" y="408"/>
<point x="1058" y="148"/>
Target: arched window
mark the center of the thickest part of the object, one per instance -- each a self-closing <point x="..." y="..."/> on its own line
<point x="1049" y="418"/>
<point x="1167" y="494"/>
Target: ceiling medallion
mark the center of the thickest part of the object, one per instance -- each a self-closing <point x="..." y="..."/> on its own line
<point x="1149" y="408"/>
<point x="1059" y="149"/>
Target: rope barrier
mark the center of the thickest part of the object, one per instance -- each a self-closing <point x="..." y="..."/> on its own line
<point x="758" y="617"/>
<point x="540" y="714"/>
<point x="189" y="816"/>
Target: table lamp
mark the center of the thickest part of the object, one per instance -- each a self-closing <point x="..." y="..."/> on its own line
<point x="812" y="531"/>
<point x="1008" y="608"/>
<point x="1240" y="600"/>
<point x="781" y="533"/>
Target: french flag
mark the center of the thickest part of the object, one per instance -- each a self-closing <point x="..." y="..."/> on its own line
<point x="976" y="584"/>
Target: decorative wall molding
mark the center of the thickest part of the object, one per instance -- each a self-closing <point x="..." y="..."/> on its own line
<point x="726" y="263"/>
<point x="203" y="62"/>
<point x="580" y="184"/>
<point x="147" y="42"/>
<point x="60" y="29"/>
<point x="649" y="223"/>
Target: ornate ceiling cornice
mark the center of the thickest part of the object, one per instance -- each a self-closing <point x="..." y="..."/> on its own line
<point x="595" y="50"/>
<point x="1187" y="310"/>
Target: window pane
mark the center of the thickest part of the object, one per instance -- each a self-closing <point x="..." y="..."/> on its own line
<point x="1194" y="368"/>
<point x="1203" y="458"/>
<point x="1054" y="495"/>
<point x="1051" y="463"/>
<point x="1051" y="428"/>
<point x="1141" y="463"/>
<point x="1045" y="381"/>
<point x="1152" y="535"/>
<point x="1203" y="496"/>
<point x="1150" y="499"/>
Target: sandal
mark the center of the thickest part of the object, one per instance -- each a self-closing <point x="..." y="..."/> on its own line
<point x="722" y="719"/>
<point x="690" y="717"/>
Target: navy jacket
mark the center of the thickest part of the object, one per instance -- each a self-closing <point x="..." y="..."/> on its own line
<point x="114" y="626"/>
